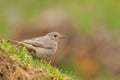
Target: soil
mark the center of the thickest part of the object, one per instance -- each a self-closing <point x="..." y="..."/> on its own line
<point x="10" y="69"/>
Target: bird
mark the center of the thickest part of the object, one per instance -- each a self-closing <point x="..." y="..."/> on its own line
<point x="44" y="46"/>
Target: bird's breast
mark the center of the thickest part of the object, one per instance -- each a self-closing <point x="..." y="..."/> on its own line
<point x="43" y="52"/>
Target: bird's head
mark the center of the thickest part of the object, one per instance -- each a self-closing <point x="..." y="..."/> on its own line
<point x="56" y="36"/>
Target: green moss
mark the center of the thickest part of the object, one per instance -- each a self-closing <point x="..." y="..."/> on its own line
<point x="24" y="57"/>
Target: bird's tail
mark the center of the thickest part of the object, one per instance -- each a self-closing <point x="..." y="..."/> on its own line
<point x="14" y="41"/>
<point x="28" y="46"/>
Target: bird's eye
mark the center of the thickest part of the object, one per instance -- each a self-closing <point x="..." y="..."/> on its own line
<point x="55" y="35"/>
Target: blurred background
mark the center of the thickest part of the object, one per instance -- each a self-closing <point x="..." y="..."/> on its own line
<point x="91" y="49"/>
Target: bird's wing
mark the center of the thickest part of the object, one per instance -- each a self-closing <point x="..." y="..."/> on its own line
<point x="38" y="44"/>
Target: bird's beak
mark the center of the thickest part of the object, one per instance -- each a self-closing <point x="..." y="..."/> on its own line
<point x="62" y="37"/>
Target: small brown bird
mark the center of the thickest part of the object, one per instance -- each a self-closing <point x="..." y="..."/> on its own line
<point x="44" y="46"/>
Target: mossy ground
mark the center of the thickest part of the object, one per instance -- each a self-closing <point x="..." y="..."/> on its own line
<point x="22" y="56"/>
